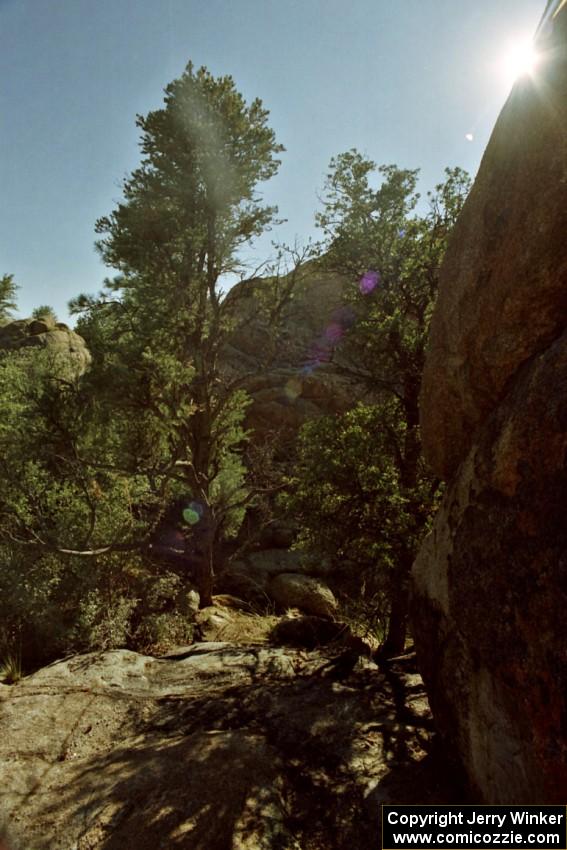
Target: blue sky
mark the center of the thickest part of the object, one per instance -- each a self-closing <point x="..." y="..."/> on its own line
<point x="403" y="81"/>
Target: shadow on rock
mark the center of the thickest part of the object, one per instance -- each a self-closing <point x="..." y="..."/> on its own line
<point x="219" y="747"/>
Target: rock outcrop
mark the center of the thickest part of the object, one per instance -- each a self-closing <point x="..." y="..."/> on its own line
<point x="215" y="746"/>
<point x="311" y="595"/>
<point x="67" y="347"/>
<point x="502" y="295"/>
<point x="286" y="363"/>
<point x="288" y="578"/>
<point x="490" y="584"/>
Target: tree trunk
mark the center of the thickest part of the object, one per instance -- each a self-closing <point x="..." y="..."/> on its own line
<point x="202" y="561"/>
<point x="204" y="578"/>
<point x="398" y="619"/>
<point x="408" y="471"/>
<point x="399" y="607"/>
<point x="203" y="570"/>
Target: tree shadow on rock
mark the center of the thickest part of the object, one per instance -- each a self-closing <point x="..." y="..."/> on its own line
<point x="282" y="761"/>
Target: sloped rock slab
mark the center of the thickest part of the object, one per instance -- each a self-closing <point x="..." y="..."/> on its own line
<point x="218" y="747"/>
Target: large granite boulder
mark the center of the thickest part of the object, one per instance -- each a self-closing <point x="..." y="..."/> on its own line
<point x="286" y="363"/>
<point x="490" y="583"/>
<point x="311" y="595"/>
<point x="67" y="347"/>
<point x="502" y="294"/>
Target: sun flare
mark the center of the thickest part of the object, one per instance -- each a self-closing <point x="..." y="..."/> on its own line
<point x="520" y="59"/>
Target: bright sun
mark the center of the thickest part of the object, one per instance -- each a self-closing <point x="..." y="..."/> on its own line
<point x="520" y="59"/>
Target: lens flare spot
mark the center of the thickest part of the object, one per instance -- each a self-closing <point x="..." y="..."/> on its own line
<point x="293" y="388"/>
<point x="334" y="332"/>
<point x="369" y="281"/>
<point x="193" y="513"/>
<point x="469" y="137"/>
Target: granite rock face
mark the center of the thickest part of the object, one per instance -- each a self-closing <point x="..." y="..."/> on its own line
<point x="67" y="347"/>
<point x="491" y="593"/>
<point x="215" y="746"/>
<point x="503" y="292"/>
<point x="490" y="583"/>
<point x="311" y="595"/>
<point x="286" y="365"/>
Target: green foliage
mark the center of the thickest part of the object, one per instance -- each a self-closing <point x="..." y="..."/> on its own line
<point x="59" y="497"/>
<point x="34" y="594"/>
<point x="163" y="618"/>
<point x="351" y="504"/>
<point x="10" y="668"/>
<point x="55" y="489"/>
<point x="46" y="313"/>
<point x="378" y="230"/>
<point x="347" y="494"/>
<point x="192" y="202"/>
<point x="91" y="463"/>
<point x="102" y="622"/>
<point x="157" y="331"/>
<point x="160" y="631"/>
<point x="363" y="490"/>
<point x="392" y="256"/>
<point x="7" y="298"/>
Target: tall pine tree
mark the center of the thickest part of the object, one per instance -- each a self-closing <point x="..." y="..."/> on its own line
<point x="186" y="212"/>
